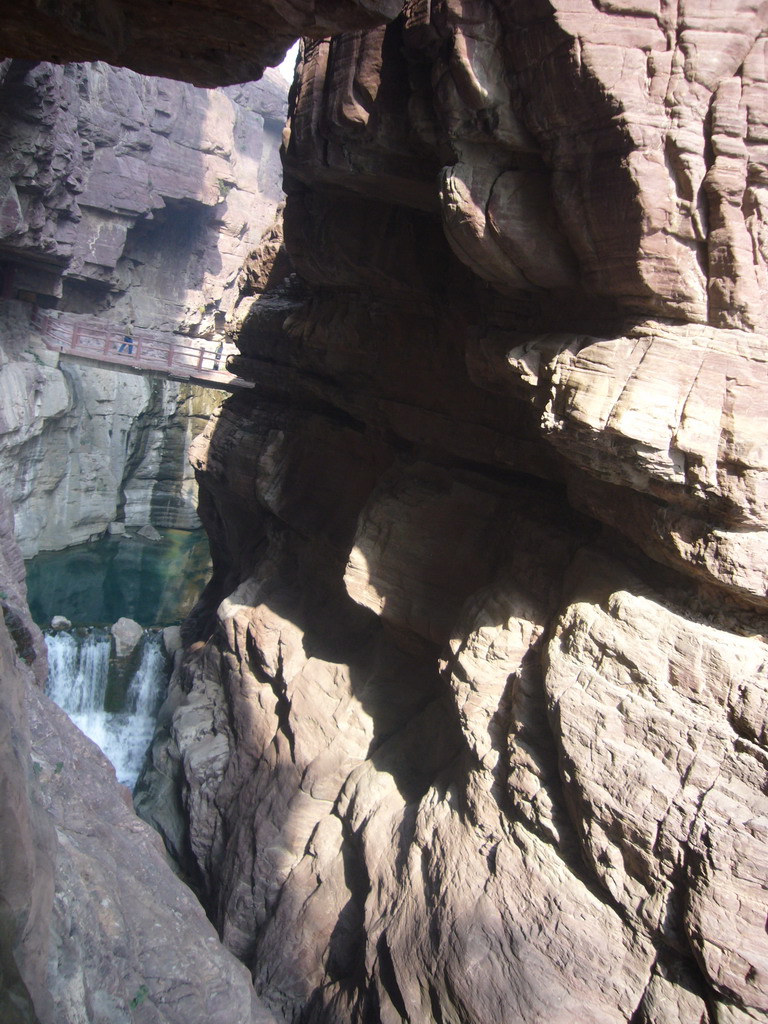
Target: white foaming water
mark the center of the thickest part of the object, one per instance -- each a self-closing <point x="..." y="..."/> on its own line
<point x="78" y="670"/>
<point x="77" y="681"/>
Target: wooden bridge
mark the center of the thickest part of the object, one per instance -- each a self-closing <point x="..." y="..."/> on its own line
<point x="89" y="338"/>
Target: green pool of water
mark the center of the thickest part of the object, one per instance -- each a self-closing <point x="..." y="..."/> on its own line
<point x="155" y="583"/>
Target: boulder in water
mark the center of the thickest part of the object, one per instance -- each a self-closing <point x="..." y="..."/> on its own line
<point x="60" y="622"/>
<point x="148" y="532"/>
<point x="127" y="634"/>
<point x="116" y="529"/>
<point x="172" y="639"/>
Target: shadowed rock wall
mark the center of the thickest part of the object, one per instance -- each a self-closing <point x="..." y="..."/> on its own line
<point x="206" y="43"/>
<point x="93" y="923"/>
<point x="132" y="198"/>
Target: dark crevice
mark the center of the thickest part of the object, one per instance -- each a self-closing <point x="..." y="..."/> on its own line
<point x="388" y="977"/>
<point x="19" y="633"/>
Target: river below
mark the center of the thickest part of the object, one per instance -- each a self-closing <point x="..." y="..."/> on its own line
<point x="114" y="698"/>
<point x="156" y="583"/>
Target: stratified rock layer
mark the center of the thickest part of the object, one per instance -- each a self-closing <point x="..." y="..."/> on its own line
<point x="132" y="198"/>
<point x="500" y="797"/>
<point x="132" y="202"/>
<point x="477" y="728"/>
<point x="206" y="43"/>
<point x="82" y="445"/>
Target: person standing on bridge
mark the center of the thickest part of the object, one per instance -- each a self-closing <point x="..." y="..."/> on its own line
<point x="127" y="343"/>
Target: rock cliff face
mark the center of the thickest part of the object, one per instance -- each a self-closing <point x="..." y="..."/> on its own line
<point x="196" y="40"/>
<point x="479" y="731"/>
<point x="133" y="201"/>
<point x="471" y="727"/>
<point x="82" y="446"/>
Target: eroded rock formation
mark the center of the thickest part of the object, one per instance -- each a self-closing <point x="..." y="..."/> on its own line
<point x="82" y="445"/>
<point x="479" y="731"/>
<point x="471" y="725"/>
<point x="134" y="199"/>
<point x="207" y="43"/>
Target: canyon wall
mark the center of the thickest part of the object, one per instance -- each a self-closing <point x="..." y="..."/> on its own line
<point x="202" y="41"/>
<point x="134" y="199"/>
<point x="472" y="726"/>
<point x="472" y="721"/>
<point x="94" y="926"/>
<point x="131" y="202"/>
<point x="84" y="446"/>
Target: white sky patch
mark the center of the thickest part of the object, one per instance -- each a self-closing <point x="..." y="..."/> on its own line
<point x="288" y="66"/>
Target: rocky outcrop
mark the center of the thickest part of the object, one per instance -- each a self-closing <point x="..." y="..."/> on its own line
<point x="474" y="726"/>
<point x="126" y="933"/>
<point x="207" y="43"/>
<point x="471" y="726"/>
<point x="498" y="796"/>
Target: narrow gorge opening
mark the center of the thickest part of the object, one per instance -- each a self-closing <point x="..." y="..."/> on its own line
<point x="123" y="235"/>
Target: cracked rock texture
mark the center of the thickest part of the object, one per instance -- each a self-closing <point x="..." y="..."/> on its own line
<point x="471" y="727"/>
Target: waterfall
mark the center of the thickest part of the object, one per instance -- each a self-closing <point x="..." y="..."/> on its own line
<point x="78" y="670"/>
<point x="84" y="682"/>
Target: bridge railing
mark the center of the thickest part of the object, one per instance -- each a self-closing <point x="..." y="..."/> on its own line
<point x="92" y="339"/>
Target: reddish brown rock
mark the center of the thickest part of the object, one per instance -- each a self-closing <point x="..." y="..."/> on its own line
<point x="447" y="749"/>
<point x="208" y="44"/>
<point x="560" y="812"/>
